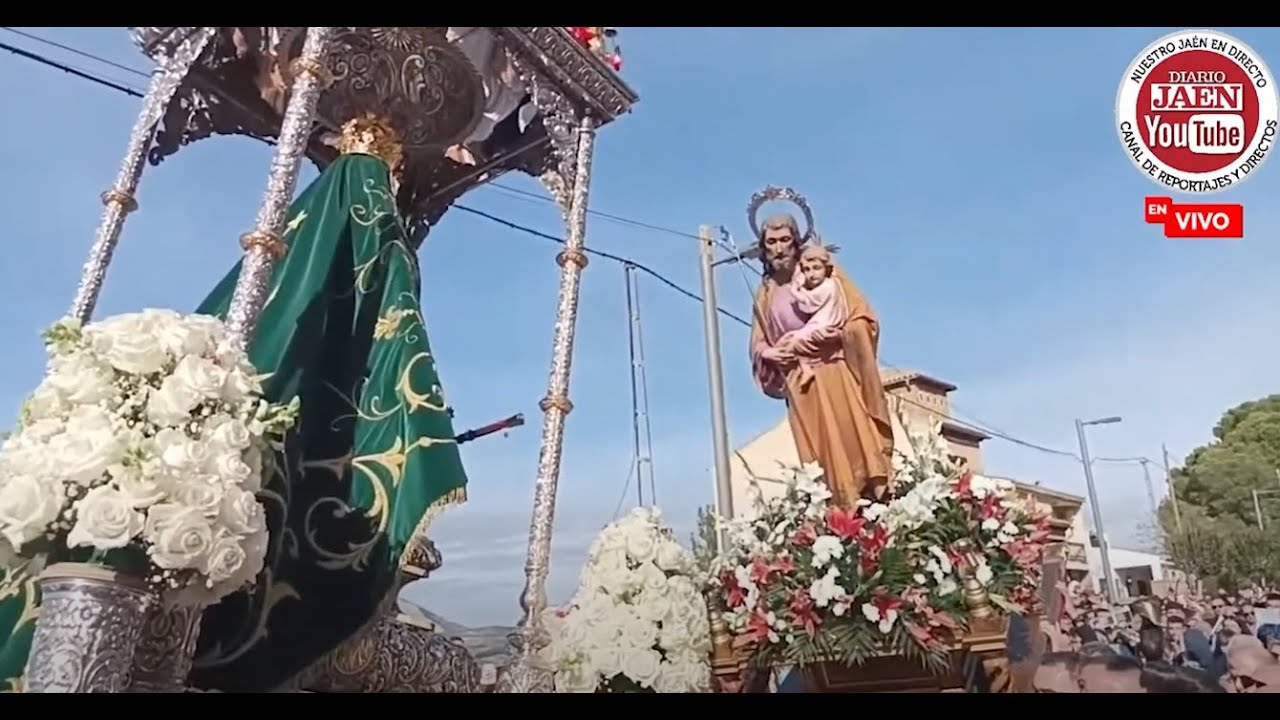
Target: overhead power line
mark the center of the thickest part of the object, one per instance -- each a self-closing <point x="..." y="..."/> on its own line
<point x="659" y="277"/>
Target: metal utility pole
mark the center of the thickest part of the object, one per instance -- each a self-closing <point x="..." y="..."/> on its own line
<point x="715" y="373"/>
<point x="1151" y="491"/>
<point x="1173" y="496"/>
<point x="636" y="458"/>
<point x="1108" y="579"/>
<point x="642" y="428"/>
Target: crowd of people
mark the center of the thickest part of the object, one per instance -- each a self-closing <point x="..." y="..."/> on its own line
<point x="1223" y="642"/>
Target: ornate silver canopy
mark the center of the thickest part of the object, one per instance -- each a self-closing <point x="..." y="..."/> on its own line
<point x="421" y="77"/>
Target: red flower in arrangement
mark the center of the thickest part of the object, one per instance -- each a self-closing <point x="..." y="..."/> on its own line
<point x="761" y="571"/>
<point x="758" y="626"/>
<point x="887" y="606"/>
<point x="783" y="564"/>
<point x="990" y="508"/>
<point x="802" y="612"/>
<point x="583" y="35"/>
<point x="845" y="524"/>
<point x="1025" y="552"/>
<point x="804" y="536"/>
<point x="870" y="545"/>
<point x="734" y="595"/>
<point x="964" y="486"/>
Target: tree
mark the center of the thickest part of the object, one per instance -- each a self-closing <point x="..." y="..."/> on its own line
<point x="703" y="540"/>
<point x="1219" y="478"/>
<point x="1220" y="537"/>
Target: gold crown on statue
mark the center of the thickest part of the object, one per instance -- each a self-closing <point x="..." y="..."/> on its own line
<point x="369" y="134"/>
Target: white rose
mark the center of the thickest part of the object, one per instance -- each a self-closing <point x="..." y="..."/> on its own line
<point x="89" y="419"/>
<point x="202" y="377"/>
<point x="238" y="385"/>
<point x="80" y="379"/>
<point x="201" y="495"/>
<point x="25" y="454"/>
<point x="576" y="678"/>
<point x="253" y="458"/>
<point x="255" y="556"/>
<point x="670" y="679"/>
<point x="105" y="520"/>
<point x="642" y="666"/>
<point x="27" y="507"/>
<point x="641" y="546"/>
<point x="139" y="488"/>
<point x="231" y="469"/>
<point x="225" y="559"/>
<point x="83" y="457"/>
<point x="232" y="433"/>
<point x="242" y="513"/>
<point x="172" y="403"/>
<point x="185" y="337"/>
<point x="605" y="657"/>
<point x="128" y="345"/>
<point x="696" y="671"/>
<point x="188" y="456"/>
<point x="651" y="578"/>
<point x="180" y="536"/>
<point x="44" y="402"/>
<point x="671" y="556"/>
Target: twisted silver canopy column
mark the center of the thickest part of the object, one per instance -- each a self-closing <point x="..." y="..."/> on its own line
<point x="529" y="674"/>
<point x="119" y="200"/>
<point x="263" y="245"/>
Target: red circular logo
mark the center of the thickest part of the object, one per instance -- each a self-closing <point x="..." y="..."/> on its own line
<point x="1198" y="111"/>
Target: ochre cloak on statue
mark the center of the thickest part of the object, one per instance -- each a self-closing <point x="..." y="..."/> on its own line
<point x="841" y="419"/>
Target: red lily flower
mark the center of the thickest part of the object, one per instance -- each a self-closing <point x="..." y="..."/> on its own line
<point x="758" y="626"/>
<point x="964" y="486"/>
<point x="760" y="571"/>
<point x="845" y="524"/>
<point x="804" y="536"/>
<point x="801" y="609"/>
<point x="783" y="564"/>
<point x="734" y="594"/>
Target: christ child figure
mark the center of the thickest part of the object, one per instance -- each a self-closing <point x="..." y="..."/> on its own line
<point x="818" y="296"/>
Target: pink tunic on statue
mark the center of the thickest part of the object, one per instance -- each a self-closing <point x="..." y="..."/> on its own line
<point x="823" y="307"/>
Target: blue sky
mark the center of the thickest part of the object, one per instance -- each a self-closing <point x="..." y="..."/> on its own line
<point x="973" y="178"/>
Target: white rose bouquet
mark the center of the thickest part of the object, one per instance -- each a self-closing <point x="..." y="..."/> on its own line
<point x="638" y="622"/>
<point x="142" y="450"/>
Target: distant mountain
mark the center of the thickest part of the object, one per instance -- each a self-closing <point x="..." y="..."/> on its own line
<point x="488" y="644"/>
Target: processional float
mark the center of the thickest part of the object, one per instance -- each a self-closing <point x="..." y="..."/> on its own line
<point x="462" y="106"/>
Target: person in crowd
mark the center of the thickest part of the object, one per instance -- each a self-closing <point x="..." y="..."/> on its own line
<point x="1251" y="667"/>
<point x="1162" y="677"/>
<point x="1109" y="673"/>
<point x="1056" y="673"/>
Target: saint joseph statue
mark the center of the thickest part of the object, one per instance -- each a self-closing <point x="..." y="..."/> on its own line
<point x="840" y="418"/>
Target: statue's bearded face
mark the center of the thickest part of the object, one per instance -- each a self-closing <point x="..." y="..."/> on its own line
<point x="779" y="247"/>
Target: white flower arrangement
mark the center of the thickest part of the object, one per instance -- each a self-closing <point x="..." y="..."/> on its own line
<point x="638" y="622"/>
<point x="142" y="450"/>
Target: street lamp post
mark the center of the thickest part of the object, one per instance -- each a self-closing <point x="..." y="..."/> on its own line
<point x="1104" y="548"/>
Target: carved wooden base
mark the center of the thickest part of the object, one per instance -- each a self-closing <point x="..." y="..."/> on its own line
<point x="978" y="664"/>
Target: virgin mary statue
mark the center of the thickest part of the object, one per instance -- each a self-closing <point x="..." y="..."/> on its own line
<point x="373" y="457"/>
